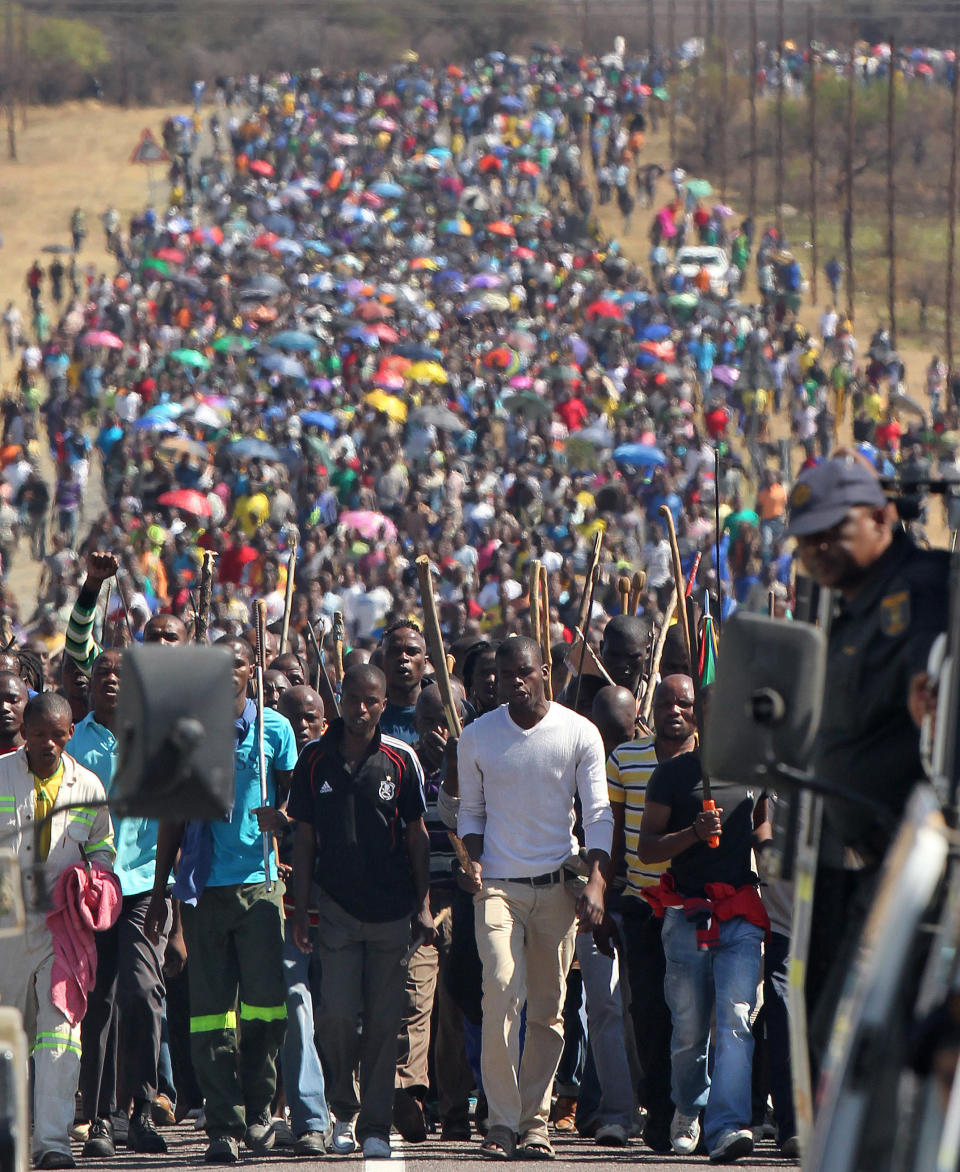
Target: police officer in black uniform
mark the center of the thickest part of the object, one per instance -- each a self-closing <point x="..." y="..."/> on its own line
<point x="892" y="602"/>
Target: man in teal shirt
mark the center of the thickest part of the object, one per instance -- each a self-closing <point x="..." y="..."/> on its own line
<point x="129" y="966"/>
<point x="233" y="926"/>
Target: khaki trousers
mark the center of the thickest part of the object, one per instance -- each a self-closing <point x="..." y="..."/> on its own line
<point x="525" y="937"/>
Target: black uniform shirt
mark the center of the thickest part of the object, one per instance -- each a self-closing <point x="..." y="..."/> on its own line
<point x="867" y="740"/>
<point x="359" y="817"/>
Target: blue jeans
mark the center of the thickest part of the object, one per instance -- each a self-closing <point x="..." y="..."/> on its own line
<point x="726" y="974"/>
<point x="302" y="1072"/>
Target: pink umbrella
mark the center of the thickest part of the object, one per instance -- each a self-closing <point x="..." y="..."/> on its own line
<point x="665" y="219"/>
<point x="388" y="380"/>
<point x="102" y="338"/>
<point x="187" y="500"/>
<point x="370" y="525"/>
<point x="521" y="381"/>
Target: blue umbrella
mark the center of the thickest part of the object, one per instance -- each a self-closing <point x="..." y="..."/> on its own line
<point x="655" y="332"/>
<point x="155" y="424"/>
<point x="513" y="103"/>
<point x="282" y="365"/>
<point x="639" y="456"/>
<point x="253" y="449"/>
<point x="164" y="412"/>
<point x="387" y="190"/>
<point x="319" y="419"/>
<point x="293" y="340"/>
<point x="290" y="247"/>
<point x="280" y="224"/>
<point x="418" y="352"/>
<point x="318" y="246"/>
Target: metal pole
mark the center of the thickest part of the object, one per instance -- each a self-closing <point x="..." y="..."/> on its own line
<point x="10" y="83"/>
<point x="671" y="50"/>
<point x="892" y="192"/>
<point x="848" y="210"/>
<point x="754" y="69"/>
<point x="724" y="101"/>
<point x="24" y="66"/>
<point x="780" y="94"/>
<point x="814" y="177"/>
<point x="651" y="28"/>
<point x="952" y="215"/>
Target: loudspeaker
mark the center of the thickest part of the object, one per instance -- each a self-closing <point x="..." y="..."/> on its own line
<point x="175" y="734"/>
<point x="766" y="700"/>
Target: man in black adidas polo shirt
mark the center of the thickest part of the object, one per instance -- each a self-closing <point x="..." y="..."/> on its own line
<point x="357" y="797"/>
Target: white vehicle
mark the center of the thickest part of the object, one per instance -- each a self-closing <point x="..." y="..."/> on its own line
<point x="692" y="258"/>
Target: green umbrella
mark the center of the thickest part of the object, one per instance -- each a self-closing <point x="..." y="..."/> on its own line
<point x="699" y="187"/>
<point x="661" y="93"/>
<point x="160" y="266"/>
<point x="527" y="403"/>
<point x="191" y="358"/>
<point x="683" y="300"/>
<point x="233" y="344"/>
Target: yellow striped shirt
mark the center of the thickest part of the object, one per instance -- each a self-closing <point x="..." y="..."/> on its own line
<point x="629" y="769"/>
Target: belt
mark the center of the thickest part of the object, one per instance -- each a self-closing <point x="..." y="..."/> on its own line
<point x="538" y="880"/>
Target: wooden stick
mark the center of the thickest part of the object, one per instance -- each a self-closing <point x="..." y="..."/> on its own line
<point x="434" y="640"/>
<point x="638" y="583"/>
<point x="597" y="663"/>
<point x="716" y="535"/>
<point x="261" y="628"/>
<point x="288" y="596"/>
<point x="623" y="589"/>
<point x="545" y="629"/>
<point x="588" y="580"/>
<point x="680" y="584"/>
<point x="206" y="593"/>
<point x="321" y="680"/>
<point x="594" y="578"/>
<point x="339" y="638"/>
<point x="533" y="592"/>
<point x="647" y="706"/>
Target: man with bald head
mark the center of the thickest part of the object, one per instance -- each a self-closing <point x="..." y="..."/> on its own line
<point x="622" y="651"/>
<point x="629" y="769"/>
<point x="303" y="707"/>
<point x="357" y="797"/>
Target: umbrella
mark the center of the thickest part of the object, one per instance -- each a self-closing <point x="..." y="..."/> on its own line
<point x="164" y="411"/>
<point x="454" y="228"/>
<point x="191" y="358"/>
<point x="527" y="403"/>
<point x="603" y="308"/>
<point x="655" y="332"/>
<point x="208" y="417"/>
<point x="262" y="285"/>
<point x="639" y="456"/>
<point x="319" y="419"/>
<point x="252" y="449"/>
<point x="293" y="340"/>
<point x="101" y="338"/>
<point x="283" y="365"/>
<point x="56" y="248"/>
<point x="439" y="417"/>
<point x="172" y="255"/>
<point x="373" y="311"/>
<point x="699" y="188"/>
<point x="390" y="405"/>
<point x="661" y="94"/>
<point x="417" y="352"/>
<point x="426" y="372"/>
<point x="188" y="500"/>
<point x="369" y="524"/>
<point x="232" y="344"/>
<point x="501" y="228"/>
<point x="146" y="423"/>
<point x="727" y="375"/>
<point x="389" y="380"/>
<point x="158" y="266"/>
<point x="261" y="167"/>
<point x="184" y="445"/>
<point x="558" y="373"/>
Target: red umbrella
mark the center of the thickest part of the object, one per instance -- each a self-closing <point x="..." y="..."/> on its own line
<point x="373" y="311"/>
<point x="211" y="235"/>
<point x="521" y="252"/>
<point x="501" y="228"/>
<point x="662" y="350"/>
<point x="528" y="167"/>
<point x="489" y="163"/>
<point x="266" y="240"/>
<point x="389" y="380"/>
<point x="187" y="500"/>
<point x="261" y="167"/>
<point x="102" y="338"/>
<point x="604" y="308"/>
<point x="384" y="332"/>
<point x="499" y="358"/>
<point x="173" y="255"/>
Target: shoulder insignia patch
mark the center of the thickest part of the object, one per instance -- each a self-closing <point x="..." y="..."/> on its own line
<point x="799" y="496"/>
<point x="895" y="613"/>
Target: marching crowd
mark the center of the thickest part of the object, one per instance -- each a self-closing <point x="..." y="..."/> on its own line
<point x="354" y="338"/>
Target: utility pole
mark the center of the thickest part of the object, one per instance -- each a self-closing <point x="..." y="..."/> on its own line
<point x="892" y="191"/>
<point x="24" y="64"/>
<point x="754" y="147"/>
<point x="651" y="27"/>
<point x="10" y="82"/>
<point x="724" y="101"/>
<point x="672" y="50"/>
<point x="952" y="216"/>
<point x="848" y="210"/>
<point x="814" y="164"/>
<point x="780" y="95"/>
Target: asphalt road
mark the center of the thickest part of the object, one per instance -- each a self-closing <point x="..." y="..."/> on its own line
<point x="186" y="1148"/>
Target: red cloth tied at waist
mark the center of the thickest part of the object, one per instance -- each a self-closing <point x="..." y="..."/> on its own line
<point x="723" y="902"/>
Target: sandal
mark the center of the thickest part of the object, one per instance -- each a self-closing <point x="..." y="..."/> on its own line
<point x="537" y="1147"/>
<point x="498" y="1144"/>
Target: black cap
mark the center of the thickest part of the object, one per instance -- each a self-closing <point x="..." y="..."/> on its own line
<point x="824" y="494"/>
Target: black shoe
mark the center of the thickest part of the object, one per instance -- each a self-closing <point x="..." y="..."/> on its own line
<point x="222" y="1150"/>
<point x="456" y="1129"/>
<point x="142" y="1135"/>
<point x="408" y="1116"/>
<point x="55" y="1160"/>
<point x="99" y="1144"/>
<point x="259" y="1135"/>
<point x="311" y="1143"/>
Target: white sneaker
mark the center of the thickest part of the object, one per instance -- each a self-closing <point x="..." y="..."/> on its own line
<point x="344" y="1141"/>
<point x="685" y="1133"/>
<point x="731" y="1146"/>
<point x="375" y="1148"/>
<point x="611" y="1135"/>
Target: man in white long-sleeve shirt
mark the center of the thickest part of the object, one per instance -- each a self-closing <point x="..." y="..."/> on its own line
<point x="520" y="768"/>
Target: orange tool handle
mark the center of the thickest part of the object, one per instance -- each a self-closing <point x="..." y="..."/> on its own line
<point x="714" y="839"/>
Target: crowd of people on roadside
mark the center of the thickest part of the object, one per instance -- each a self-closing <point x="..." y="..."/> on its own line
<point x="378" y="321"/>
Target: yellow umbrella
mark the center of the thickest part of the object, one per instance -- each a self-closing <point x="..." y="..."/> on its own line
<point x="388" y="404"/>
<point x="426" y="372"/>
<point x="424" y="262"/>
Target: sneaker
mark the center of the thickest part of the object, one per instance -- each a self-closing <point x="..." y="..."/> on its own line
<point x="54" y="1160"/>
<point x="790" y="1147"/>
<point x="259" y="1136"/>
<point x="142" y="1135"/>
<point x="611" y="1135"/>
<point x="222" y="1150"/>
<point x="162" y="1111"/>
<point x="311" y="1143"/>
<point x="99" y="1143"/>
<point x="344" y="1141"/>
<point x="408" y="1116"/>
<point x="685" y="1133"/>
<point x="375" y="1148"/>
<point x="731" y="1146"/>
<point x="283" y="1136"/>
